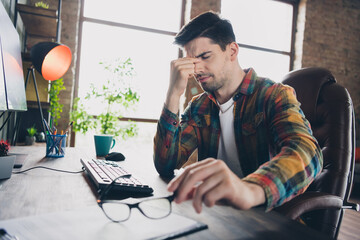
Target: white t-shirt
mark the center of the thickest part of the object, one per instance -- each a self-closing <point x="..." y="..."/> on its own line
<point x="227" y="145"/>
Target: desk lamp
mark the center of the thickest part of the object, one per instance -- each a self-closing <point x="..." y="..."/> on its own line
<point x="51" y="60"/>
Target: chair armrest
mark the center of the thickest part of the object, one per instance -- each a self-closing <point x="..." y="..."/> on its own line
<point x="309" y="201"/>
<point x="353" y="206"/>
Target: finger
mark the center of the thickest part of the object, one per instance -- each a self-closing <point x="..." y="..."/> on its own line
<point x="191" y="194"/>
<point x="185" y="61"/>
<point x="194" y="177"/>
<point x="183" y="70"/>
<point x="189" y="59"/>
<point x="185" y="66"/>
<point x="207" y="186"/>
<point x="175" y="182"/>
<point x="217" y="194"/>
<point x="187" y="70"/>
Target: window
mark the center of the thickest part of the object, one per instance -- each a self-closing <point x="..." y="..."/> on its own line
<point x="263" y="30"/>
<point x="138" y="29"/>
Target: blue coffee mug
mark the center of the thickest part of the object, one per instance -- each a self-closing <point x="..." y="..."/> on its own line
<point x="103" y="144"/>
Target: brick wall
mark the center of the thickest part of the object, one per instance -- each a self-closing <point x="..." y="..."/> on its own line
<point x="70" y="13"/>
<point x="69" y="36"/>
<point x="332" y="40"/>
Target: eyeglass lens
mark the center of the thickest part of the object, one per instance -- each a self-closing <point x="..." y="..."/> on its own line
<point x="116" y="212"/>
<point x="155" y="208"/>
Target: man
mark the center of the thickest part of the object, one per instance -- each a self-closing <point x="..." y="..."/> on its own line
<point x="254" y="144"/>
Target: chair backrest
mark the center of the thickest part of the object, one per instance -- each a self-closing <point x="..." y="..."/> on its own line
<point x="328" y="107"/>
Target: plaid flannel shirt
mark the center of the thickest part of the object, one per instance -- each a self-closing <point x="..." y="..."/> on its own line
<point x="274" y="140"/>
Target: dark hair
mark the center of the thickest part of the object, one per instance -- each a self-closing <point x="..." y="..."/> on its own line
<point x="210" y="25"/>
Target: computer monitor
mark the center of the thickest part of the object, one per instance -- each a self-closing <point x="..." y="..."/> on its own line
<point x="12" y="89"/>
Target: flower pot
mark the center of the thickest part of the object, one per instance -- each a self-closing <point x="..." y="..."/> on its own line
<point x="6" y="166"/>
<point x="29" y="140"/>
<point x="40" y="137"/>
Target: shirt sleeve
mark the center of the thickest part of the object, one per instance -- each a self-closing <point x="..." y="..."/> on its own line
<point x="174" y="142"/>
<point x="298" y="158"/>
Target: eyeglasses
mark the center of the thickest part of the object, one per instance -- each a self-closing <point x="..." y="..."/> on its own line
<point x="4" y="235"/>
<point x="154" y="208"/>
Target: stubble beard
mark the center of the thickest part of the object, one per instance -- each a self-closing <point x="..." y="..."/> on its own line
<point x="211" y="86"/>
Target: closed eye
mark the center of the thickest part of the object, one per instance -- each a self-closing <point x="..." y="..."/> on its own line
<point x="204" y="55"/>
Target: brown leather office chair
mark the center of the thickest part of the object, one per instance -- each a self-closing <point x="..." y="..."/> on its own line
<point x="328" y="107"/>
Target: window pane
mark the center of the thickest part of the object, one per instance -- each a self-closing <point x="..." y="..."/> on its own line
<point x="144" y="139"/>
<point x="261" y="23"/>
<point x="158" y="14"/>
<point x="151" y="54"/>
<point x="270" y="65"/>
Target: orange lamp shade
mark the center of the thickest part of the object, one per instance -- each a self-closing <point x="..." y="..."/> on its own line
<point x="51" y="59"/>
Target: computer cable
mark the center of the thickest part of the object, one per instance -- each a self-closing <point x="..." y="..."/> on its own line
<point x="52" y="169"/>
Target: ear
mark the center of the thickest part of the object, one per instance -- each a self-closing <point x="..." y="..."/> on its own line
<point x="234" y="50"/>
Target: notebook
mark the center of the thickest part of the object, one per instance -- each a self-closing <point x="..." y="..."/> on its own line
<point x="90" y="223"/>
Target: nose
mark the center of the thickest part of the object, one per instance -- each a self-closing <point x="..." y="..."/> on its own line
<point x="199" y="68"/>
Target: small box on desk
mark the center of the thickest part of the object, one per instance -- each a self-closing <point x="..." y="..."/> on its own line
<point x="55" y="146"/>
<point x="6" y="166"/>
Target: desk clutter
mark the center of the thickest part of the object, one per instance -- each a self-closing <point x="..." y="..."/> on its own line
<point x="55" y="146"/>
<point x="55" y="143"/>
<point x="90" y="223"/>
<point x="51" y="205"/>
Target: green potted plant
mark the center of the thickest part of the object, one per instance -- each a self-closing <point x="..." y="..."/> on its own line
<point x="6" y="161"/>
<point x="30" y="137"/>
<point x="115" y="95"/>
<point x="41" y="4"/>
<point x="55" y="108"/>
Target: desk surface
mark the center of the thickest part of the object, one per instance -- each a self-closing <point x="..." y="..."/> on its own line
<point x="41" y="191"/>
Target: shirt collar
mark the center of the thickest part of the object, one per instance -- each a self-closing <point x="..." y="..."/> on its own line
<point x="248" y="84"/>
<point x="246" y="87"/>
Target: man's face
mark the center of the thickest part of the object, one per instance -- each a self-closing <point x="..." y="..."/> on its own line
<point x="211" y="72"/>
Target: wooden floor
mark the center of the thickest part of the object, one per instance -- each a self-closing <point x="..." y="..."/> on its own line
<point x="350" y="226"/>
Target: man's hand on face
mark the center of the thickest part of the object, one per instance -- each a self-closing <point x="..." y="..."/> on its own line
<point x="211" y="182"/>
<point x="181" y="70"/>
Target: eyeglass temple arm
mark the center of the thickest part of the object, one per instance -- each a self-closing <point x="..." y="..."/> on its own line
<point x="172" y="197"/>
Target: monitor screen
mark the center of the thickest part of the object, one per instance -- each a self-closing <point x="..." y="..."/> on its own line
<point x="12" y="89"/>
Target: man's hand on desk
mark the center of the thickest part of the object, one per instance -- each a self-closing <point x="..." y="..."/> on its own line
<point x="212" y="182"/>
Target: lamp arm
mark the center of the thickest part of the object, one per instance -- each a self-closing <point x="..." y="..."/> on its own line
<point x="38" y="101"/>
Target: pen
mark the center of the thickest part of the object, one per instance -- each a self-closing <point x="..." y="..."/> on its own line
<point x="47" y="126"/>
<point x="68" y="128"/>
<point x="54" y="130"/>
<point x="61" y="138"/>
<point x="52" y="122"/>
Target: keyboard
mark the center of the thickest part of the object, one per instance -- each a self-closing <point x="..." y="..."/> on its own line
<point x="103" y="172"/>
